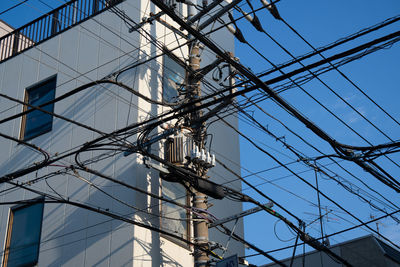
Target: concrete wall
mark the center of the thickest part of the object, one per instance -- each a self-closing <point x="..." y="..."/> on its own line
<point x="72" y="236"/>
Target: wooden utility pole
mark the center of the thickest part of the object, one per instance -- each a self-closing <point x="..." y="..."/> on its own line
<point x="199" y="200"/>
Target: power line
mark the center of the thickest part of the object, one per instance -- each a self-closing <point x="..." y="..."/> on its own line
<point x="315" y="76"/>
<point x="308" y="183"/>
<point x="202" y="106"/>
<point x="342" y="74"/>
<point x="389" y="181"/>
<point x="118" y="132"/>
<point x="338" y="42"/>
<point x="12" y="7"/>
<point x="305" y="159"/>
<point x="316" y="149"/>
<point x="333" y="234"/>
<point x="106" y="213"/>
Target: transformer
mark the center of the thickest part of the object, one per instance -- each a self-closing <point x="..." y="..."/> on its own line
<point x="178" y="148"/>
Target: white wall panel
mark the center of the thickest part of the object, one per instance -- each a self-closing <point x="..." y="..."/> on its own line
<point x="92" y="50"/>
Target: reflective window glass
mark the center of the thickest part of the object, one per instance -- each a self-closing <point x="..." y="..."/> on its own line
<point x="174" y="218"/>
<point x="37" y="122"/>
<point x="23" y="235"/>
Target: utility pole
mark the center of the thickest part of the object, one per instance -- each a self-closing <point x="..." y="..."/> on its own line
<point x="200" y="227"/>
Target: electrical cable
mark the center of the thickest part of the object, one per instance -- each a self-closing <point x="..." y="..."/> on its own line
<point x="46" y="177"/>
<point x="336" y="233"/>
<point x="319" y="151"/>
<point x="236" y="195"/>
<point x="212" y="95"/>
<point x="305" y="160"/>
<point x="340" y="72"/>
<point x="339" y="182"/>
<point x="389" y="180"/>
<point x="203" y="105"/>
<point x="24" y="171"/>
<point x="310" y="185"/>
<point x="341" y="41"/>
<point x="242" y="240"/>
<point x="12" y="7"/>
<point x="111" y="215"/>
<point x="315" y="76"/>
<point x="99" y="37"/>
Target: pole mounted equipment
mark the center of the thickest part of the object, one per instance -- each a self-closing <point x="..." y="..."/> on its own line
<point x="272" y="9"/>
<point x="288" y="107"/>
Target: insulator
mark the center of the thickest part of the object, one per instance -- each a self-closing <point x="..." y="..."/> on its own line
<point x="203" y="157"/>
<point x="212" y="160"/>
<point x="231" y="29"/>
<point x="236" y="32"/>
<point x="272" y="9"/>
<point x="239" y="36"/>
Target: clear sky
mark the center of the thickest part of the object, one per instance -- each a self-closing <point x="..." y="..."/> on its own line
<point x="320" y="23"/>
<point x="377" y="75"/>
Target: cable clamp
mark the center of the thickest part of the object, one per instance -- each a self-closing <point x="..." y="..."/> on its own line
<point x="201" y="239"/>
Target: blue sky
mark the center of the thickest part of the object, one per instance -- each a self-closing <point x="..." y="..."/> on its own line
<point x="27" y="11"/>
<point x="320" y="23"/>
<point x="378" y="75"/>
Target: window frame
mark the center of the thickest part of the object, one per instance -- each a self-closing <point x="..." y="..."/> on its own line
<point x="25" y="107"/>
<point x="188" y="221"/>
<point x="171" y="56"/>
<point x="10" y="224"/>
<point x="179" y="62"/>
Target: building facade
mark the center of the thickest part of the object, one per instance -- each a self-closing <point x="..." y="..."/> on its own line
<point x="364" y="251"/>
<point x="66" y="57"/>
<point x="10" y="46"/>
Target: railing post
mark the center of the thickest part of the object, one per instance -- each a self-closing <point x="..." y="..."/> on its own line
<point x="49" y="25"/>
<point x="95" y="6"/>
<point x="15" y="43"/>
<point x="2" y="48"/>
<point x="54" y="23"/>
<point x="110" y="2"/>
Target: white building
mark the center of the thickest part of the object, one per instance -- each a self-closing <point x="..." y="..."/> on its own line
<point x="80" y="43"/>
<point x="8" y="46"/>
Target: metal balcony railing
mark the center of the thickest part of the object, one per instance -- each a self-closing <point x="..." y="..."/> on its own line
<point x="51" y="24"/>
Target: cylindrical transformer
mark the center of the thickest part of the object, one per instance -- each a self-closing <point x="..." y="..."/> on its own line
<point x="178" y="147"/>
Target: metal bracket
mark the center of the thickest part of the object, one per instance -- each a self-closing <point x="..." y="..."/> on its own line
<point x="159" y="168"/>
<point x="239" y="215"/>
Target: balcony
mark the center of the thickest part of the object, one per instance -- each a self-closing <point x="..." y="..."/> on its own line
<point x="51" y="24"/>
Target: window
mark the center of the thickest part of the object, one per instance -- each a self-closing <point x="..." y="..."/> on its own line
<point x="173" y="79"/>
<point x="23" y="235"/>
<point x="174" y="219"/>
<point x="37" y="122"/>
